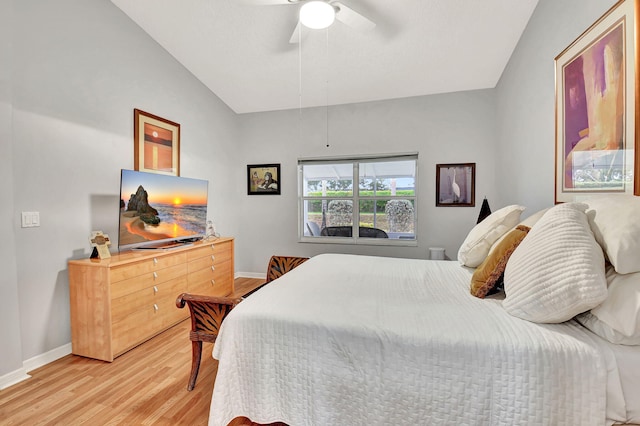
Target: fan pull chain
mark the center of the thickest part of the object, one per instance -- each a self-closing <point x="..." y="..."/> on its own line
<point x="300" y="85"/>
<point x="327" y="88"/>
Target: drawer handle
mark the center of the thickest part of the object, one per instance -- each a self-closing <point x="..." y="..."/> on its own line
<point x="155" y="307"/>
<point x="213" y="282"/>
<point x="213" y="268"/>
<point x="155" y="289"/>
<point x="213" y="257"/>
<point x="155" y="275"/>
<point x="155" y="261"/>
<point x="213" y="246"/>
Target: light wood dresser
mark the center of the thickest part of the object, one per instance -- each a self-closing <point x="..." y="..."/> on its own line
<point x="120" y="302"/>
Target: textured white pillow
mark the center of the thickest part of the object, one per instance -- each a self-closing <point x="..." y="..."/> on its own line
<point x="557" y="271"/>
<point x="617" y="319"/>
<point x="615" y="223"/>
<point x="475" y="247"/>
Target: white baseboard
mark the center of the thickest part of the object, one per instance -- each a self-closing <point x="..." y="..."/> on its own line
<point x="47" y="357"/>
<point x="32" y="363"/>
<point x="260" y="275"/>
<point x="13" y="378"/>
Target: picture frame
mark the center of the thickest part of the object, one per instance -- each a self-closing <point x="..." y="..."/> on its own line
<point x="263" y="179"/>
<point x="596" y="109"/>
<point x="456" y="185"/>
<point x="156" y="143"/>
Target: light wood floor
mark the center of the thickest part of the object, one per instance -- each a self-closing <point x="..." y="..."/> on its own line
<point x="145" y="386"/>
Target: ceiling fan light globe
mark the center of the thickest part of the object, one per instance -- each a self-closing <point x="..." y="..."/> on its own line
<point x="317" y="15"/>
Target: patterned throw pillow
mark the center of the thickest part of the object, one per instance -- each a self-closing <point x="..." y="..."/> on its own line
<point x="489" y="274"/>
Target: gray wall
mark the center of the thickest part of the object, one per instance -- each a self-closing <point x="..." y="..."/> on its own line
<point x="450" y="128"/>
<point x="80" y="67"/>
<point x="11" y="347"/>
<point x="526" y="100"/>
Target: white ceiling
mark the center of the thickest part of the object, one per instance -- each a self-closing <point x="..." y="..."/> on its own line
<point x="242" y="53"/>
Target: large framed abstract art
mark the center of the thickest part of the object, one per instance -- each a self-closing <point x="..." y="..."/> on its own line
<point x="596" y="109"/>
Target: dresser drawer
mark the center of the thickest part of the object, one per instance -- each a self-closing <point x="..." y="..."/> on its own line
<point x="221" y="251"/>
<point x="130" y="303"/>
<point x="145" y="323"/>
<point x="145" y="266"/>
<point x="217" y="279"/>
<point x="218" y="271"/>
<point x="201" y="263"/>
<point x="208" y="261"/>
<point x="210" y="288"/>
<point x="149" y="279"/>
<point x="206" y="274"/>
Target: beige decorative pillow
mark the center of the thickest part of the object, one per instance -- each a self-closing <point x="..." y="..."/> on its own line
<point x="558" y="271"/>
<point x="475" y="247"/>
<point x="488" y="274"/>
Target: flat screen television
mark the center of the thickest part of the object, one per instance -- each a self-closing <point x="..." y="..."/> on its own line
<point x="160" y="211"/>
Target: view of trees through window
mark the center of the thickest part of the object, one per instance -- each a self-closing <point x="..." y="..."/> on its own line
<point x="380" y="205"/>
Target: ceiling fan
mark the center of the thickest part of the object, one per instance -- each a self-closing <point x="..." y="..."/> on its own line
<point x="343" y="13"/>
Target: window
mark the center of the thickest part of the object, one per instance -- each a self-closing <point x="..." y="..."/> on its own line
<point x="368" y="200"/>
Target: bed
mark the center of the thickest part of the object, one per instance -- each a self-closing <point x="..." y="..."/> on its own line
<point x="348" y="339"/>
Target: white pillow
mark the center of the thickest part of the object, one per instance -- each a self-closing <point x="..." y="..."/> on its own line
<point x="528" y="222"/>
<point x="617" y="319"/>
<point x="558" y="270"/>
<point x="534" y="218"/>
<point x="605" y="331"/>
<point x="475" y="247"/>
<point x="615" y="224"/>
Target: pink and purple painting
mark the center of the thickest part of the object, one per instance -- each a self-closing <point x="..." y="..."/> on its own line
<point x="594" y="114"/>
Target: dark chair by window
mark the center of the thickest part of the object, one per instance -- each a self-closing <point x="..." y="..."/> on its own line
<point x="365" y="232"/>
<point x="346" y="231"/>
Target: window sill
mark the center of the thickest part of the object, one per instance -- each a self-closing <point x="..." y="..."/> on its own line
<point x="360" y="241"/>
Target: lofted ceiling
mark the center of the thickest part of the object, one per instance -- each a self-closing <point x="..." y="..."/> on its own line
<point x="241" y="51"/>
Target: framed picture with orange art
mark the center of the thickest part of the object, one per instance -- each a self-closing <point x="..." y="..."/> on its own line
<point x="156" y="144"/>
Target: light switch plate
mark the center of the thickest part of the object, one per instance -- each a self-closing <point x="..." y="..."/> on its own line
<point x="30" y="219"/>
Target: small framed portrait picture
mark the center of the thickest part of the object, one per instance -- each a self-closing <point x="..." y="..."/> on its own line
<point x="263" y="179"/>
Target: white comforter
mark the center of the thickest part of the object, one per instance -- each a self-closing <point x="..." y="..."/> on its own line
<point x="359" y="340"/>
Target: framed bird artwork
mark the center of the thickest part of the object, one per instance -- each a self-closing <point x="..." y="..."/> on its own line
<point x="456" y="185"/>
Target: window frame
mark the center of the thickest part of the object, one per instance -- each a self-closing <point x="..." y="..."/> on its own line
<point x="356" y="161"/>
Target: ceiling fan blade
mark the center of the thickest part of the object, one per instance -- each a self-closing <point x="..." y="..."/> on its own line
<point x="350" y="17"/>
<point x="295" y="37"/>
<point x="263" y="2"/>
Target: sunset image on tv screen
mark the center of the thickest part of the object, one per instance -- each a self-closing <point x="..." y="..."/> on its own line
<point x="156" y="207"/>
